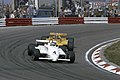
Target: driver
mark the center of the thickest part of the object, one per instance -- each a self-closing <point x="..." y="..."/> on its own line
<point x="52" y="44"/>
<point x="56" y="37"/>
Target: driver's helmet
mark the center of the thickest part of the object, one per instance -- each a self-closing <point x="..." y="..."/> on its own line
<point x="57" y="37"/>
<point x="52" y="44"/>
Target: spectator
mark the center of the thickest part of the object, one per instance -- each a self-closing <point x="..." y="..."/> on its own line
<point x="116" y="12"/>
<point x="73" y="9"/>
<point x="12" y="15"/>
<point x="17" y="14"/>
<point x="20" y="13"/>
<point x="68" y="3"/>
<point x="92" y="13"/>
<point x="67" y="12"/>
<point x="34" y="12"/>
<point x="7" y="14"/>
<point x="24" y="14"/>
<point x="62" y="14"/>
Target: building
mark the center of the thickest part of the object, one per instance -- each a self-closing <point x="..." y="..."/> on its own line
<point x="1" y="8"/>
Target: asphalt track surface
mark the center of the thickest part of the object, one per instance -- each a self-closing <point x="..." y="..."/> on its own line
<point x="15" y="64"/>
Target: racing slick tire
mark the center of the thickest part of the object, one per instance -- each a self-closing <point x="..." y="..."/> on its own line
<point x="70" y="44"/>
<point x="31" y="47"/>
<point x="71" y="56"/>
<point x="36" y="54"/>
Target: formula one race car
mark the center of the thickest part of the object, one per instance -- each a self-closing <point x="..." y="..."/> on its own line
<point x="48" y="50"/>
<point x="61" y="40"/>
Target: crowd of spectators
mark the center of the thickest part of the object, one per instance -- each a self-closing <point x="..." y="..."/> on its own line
<point x="77" y="10"/>
<point x="71" y="9"/>
<point x="102" y="12"/>
<point x="23" y="12"/>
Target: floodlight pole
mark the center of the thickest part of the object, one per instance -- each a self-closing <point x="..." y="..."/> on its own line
<point x="2" y="8"/>
<point x="105" y="13"/>
<point x="56" y="7"/>
<point x="119" y="6"/>
<point x="82" y="8"/>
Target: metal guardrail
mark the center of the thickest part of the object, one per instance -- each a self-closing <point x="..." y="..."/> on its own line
<point x="114" y="20"/>
<point x="2" y="22"/>
<point x="47" y="20"/>
<point x="56" y="20"/>
<point x="71" y="20"/>
<point x="95" y="19"/>
<point x="18" y="22"/>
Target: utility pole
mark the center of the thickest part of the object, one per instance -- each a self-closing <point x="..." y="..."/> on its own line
<point x="82" y="8"/>
<point x="119" y="7"/>
<point x="36" y="2"/>
<point x="56" y="7"/>
<point x="2" y="8"/>
<point x="81" y="3"/>
<point x="60" y="5"/>
<point x="105" y="12"/>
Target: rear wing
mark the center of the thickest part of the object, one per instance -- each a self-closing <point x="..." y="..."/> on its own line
<point x="58" y="34"/>
<point x="45" y="41"/>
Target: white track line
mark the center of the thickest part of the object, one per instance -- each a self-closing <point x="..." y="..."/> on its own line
<point x="95" y="53"/>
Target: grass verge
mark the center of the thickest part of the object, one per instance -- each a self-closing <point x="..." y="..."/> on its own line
<point x="112" y="53"/>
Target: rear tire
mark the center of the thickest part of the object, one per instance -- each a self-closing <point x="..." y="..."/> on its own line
<point x="31" y="47"/>
<point x="36" y="55"/>
<point x="70" y="44"/>
<point x="71" y="56"/>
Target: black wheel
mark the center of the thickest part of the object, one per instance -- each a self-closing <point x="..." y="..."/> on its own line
<point x="36" y="54"/>
<point x="71" y="56"/>
<point x="44" y="37"/>
<point x="31" y="47"/>
<point x="63" y="48"/>
<point x="70" y="44"/>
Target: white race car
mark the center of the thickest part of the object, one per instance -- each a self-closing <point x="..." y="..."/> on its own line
<point x="48" y="50"/>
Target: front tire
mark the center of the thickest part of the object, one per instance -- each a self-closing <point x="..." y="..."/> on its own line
<point x="31" y="47"/>
<point x="71" y="56"/>
<point x="70" y="44"/>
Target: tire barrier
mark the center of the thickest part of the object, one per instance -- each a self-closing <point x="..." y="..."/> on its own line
<point x="114" y="20"/>
<point x="71" y="20"/>
<point x="18" y="22"/>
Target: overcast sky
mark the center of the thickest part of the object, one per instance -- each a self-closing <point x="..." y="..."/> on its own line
<point x="43" y="1"/>
<point x="7" y="1"/>
<point x="46" y="1"/>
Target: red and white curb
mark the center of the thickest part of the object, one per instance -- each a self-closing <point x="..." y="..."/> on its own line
<point x="99" y="61"/>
